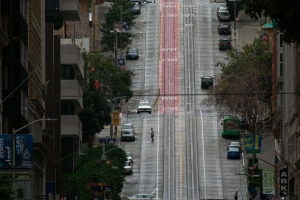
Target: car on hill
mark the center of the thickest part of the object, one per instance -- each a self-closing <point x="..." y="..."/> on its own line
<point x="221" y="8"/>
<point x="132" y="54"/>
<point x="224" y="16"/>
<point x="206" y="82"/>
<point x="127" y="135"/>
<point x="129" y="156"/>
<point x="136" y="8"/>
<point x="233" y="153"/>
<point x="224" y="28"/>
<point x="144" y="106"/>
<point x="128" y="167"/>
<point x="127" y="127"/>
<point x="234" y="144"/>
<point x="225" y="43"/>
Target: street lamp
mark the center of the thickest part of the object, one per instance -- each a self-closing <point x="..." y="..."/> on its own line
<point x="14" y="131"/>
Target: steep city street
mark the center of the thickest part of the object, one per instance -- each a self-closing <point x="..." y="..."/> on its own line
<point x="178" y="44"/>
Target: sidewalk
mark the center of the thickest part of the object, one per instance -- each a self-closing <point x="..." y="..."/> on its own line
<point x="105" y="133"/>
<point x="246" y="31"/>
<point x="265" y="156"/>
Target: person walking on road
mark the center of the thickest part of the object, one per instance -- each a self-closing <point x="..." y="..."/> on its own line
<point x="152" y="135"/>
<point x="236" y="195"/>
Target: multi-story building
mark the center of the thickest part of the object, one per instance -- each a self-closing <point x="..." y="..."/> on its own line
<point x="288" y="68"/>
<point x="63" y="67"/>
<point x="31" y="87"/>
<point x="22" y="88"/>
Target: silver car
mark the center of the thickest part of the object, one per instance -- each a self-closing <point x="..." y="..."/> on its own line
<point x="127" y="127"/>
<point x="224" y="16"/>
<point x="128" y="167"/>
<point x="129" y="156"/>
<point x="144" y="107"/>
<point x="127" y="135"/>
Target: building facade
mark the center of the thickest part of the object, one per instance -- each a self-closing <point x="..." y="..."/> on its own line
<point x="288" y="104"/>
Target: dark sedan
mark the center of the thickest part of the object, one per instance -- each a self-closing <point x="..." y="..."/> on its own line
<point x="225" y="44"/>
<point x="132" y="54"/>
<point x="224" y="29"/>
<point x="206" y="82"/>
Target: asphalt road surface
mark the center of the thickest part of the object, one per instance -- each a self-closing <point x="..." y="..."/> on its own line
<point x="178" y="44"/>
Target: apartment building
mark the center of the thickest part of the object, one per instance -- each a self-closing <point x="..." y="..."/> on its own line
<point x="63" y="67"/>
<point x="31" y="88"/>
<point x="287" y="124"/>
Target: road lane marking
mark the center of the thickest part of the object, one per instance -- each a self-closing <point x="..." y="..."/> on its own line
<point x="203" y="154"/>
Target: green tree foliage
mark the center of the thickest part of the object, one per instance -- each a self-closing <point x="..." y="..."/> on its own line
<point x="114" y="14"/>
<point x="6" y="187"/>
<point x="284" y="13"/>
<point x="245" y="86"/>
<point x="90" y="169"/>
<point x="96" y="109"/>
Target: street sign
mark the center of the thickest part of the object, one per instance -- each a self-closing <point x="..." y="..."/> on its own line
<point x="121" y="63"/>
<point x="116" y="118"/>
<point x="283" y="178"/>
<point x="268" y="182"/>
<point x="252" y="143"/>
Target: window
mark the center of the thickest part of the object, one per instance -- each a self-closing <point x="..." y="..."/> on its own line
<point x="280" y="98"/>
<point x="67" y="107"/>
<point x="281" y="65"/>
<point x="280" y="39"/>
<point x="67" y="72"/>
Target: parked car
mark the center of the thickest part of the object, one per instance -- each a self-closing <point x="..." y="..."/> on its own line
<point x="128" y="167"/>
<point x="224" y="28"/>
<point x="225" y="43"/>
<point x="143" y="197"/>
<point x="224" y="16"/>
<point x="132" y="54"/>
<point x="136" y="8"/>
<point x="144" y="107"/>
<point x="129" y="157"/>
<point x="206" y="82"/>
<point x="233" y="152"/>
<point x="221" y="8"/>
<point x="150" y="1"/>
<point x="127" y="127"/>
<point x="234" y="144"/>
<point x="127" y="135"/>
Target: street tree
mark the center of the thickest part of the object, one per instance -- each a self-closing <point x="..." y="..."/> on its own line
<point x="6" y="187"/>
<point x="121" y="9"/>
<point x="90" y="169"/>
<point x="285" y="15"/>
<point x="102" y="79"/>
<point x="245" y="86"/>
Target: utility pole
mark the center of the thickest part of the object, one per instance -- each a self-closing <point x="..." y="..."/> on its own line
<point x="116" y="48"/>
<point x="121" y="49"/>
<point x="235" y="22"/>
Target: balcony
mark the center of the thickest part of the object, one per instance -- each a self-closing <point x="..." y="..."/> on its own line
<point x="71" y="126"/>
<point x="71" y="90"/>
<point x="70" y="10"/>
<point x="70" y="55"/>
